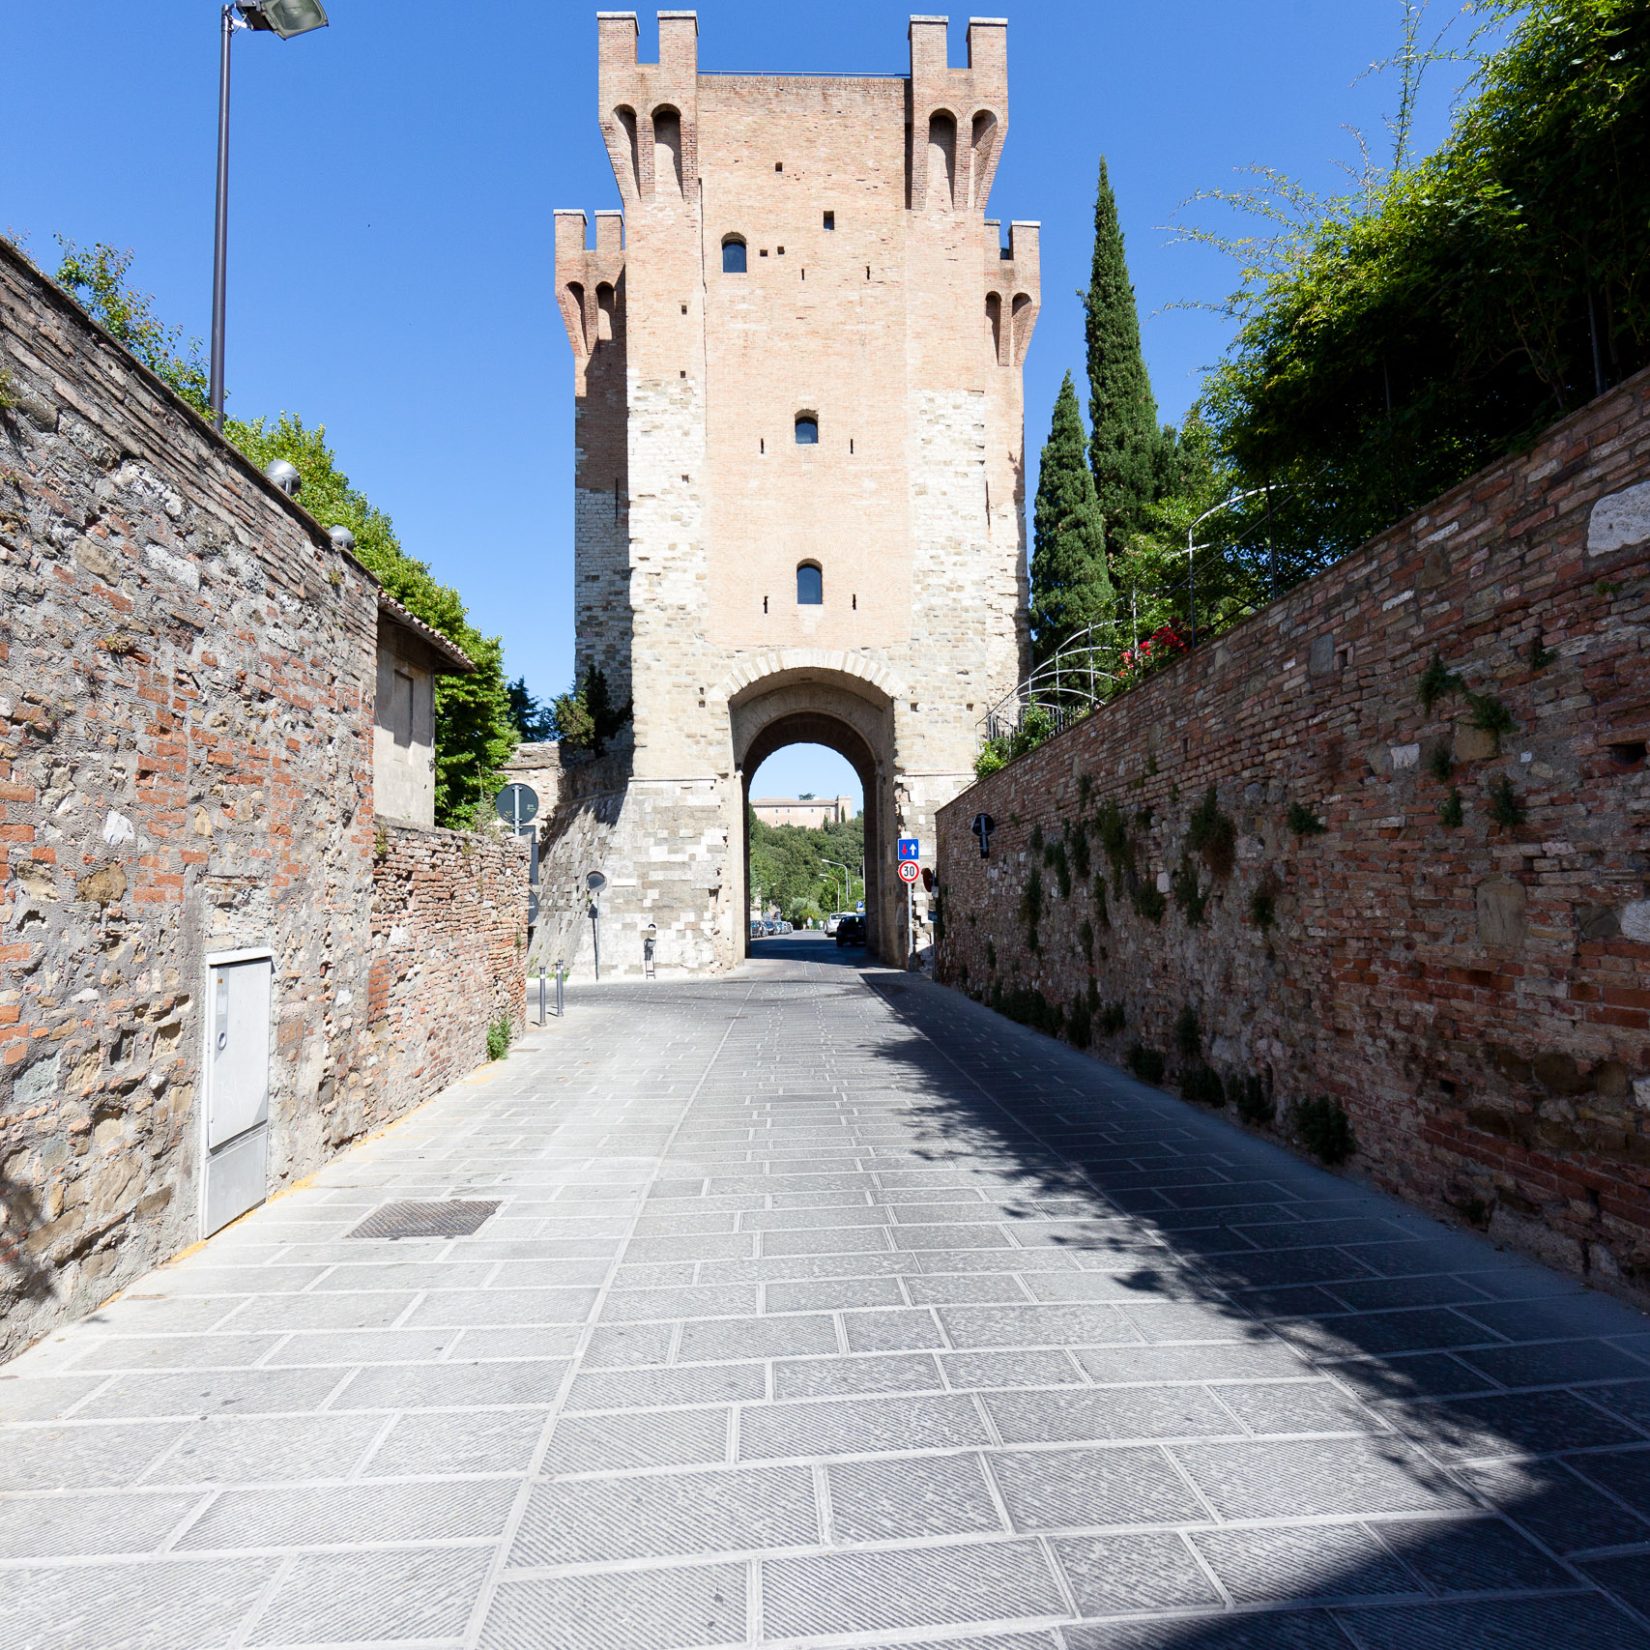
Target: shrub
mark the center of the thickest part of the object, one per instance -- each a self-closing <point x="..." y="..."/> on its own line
<point x="1110" y="1019"/>
<point x="1188" y="895"/>
<point x="1036" y="843"/>
<point x="1304" y="822"/>
<point x="1145" y="1063"/>
<point x="1080" y="862"/>
<point x="1148" y="902"/>
<point x="1212" y="834"/>
<point x="1031" y="906"/>
<point x="1540" y="655"/>
<point x="1505" y="808"/>
<point x="1254" y="1104"/>
<point x="1085" y="938"/>
<point x="1324" y="1129"/>
<point x="1436" y="682"/>
<point x="990" y="760"/>
<point x="1450" y="810"/>
<point x="1440" y="764"/>
<point x="1080" y="1022"/>
<point x="1056" y="858"/>
<point x="1488" y="714"/>
<point x="499" y="1034"/>
<point x="1203" y="1084"/>
<point x="1188" y="1034"/>
<point x="1263" y="907"/>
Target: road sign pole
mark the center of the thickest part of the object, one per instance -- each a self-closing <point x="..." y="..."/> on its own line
<point x="910" y="925"/>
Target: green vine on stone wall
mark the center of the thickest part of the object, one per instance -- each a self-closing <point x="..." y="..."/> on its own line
<point x="1211" y="834"/>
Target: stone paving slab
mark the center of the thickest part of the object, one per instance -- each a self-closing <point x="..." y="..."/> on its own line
<point x="823" y="1308"/>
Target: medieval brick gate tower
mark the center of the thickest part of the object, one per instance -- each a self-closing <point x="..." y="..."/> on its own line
<point x="800" y="467"/>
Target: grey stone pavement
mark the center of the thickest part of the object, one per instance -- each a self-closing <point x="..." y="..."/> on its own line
<point x="822" y="1307"/>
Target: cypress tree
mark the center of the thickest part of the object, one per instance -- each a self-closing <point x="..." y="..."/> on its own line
<point x="1070" y="584"/>
<point x="1126" y="447"/>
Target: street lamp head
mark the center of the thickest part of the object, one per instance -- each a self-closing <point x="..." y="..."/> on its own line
<point x="284" y="475"/>
<point x="283" y="17"/>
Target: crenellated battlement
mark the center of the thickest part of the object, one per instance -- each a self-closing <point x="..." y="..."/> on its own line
<point x="1013" y="287"/>
<point x="650" y="111"/>
<point x="590" y="280"/>
<point x="959" y="117"/>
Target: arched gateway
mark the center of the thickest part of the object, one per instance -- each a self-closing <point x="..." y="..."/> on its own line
<point x="799" y="477"/>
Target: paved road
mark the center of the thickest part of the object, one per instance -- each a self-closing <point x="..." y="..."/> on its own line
<point x="821" y="1307"/>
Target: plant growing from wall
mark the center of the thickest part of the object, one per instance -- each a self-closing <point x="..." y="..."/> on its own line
<point x="1202" y="1084"/>
<point x="1254" y="1104"/>
<point x="1113" y="831"/>
<point x="1304" y="821"/>
<point x="1085" y="938"/>
<point x="1540" y="655"/>
<point x="1145" y="1063"/>
<point x="1440" y="763"/>
<point x="1057" y="859"/>
<point x="1437" y="682"/>
<point x="1188" y="1034"/>
<point x="1489" y="715"/>
<point x="1148" y="900"/>
<point x="1102" y="908"/>
<point x="1324" y="1129"/>
<point x="1505" y="808"/>
<point x="1080" y="1022"/>
<point x="1212" y="835"/>
<point x="1111" y="1019"/>
<point x="1081" y="860"/>
<point x="1031" y="906"/>
<point x="1188" y="895"/>
<point x="1451" y="811"/>
<point x="990" y="957"/>
<point x="1263" y="907"/>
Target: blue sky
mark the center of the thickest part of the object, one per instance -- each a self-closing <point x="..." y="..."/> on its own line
<point x="394" y="178"/>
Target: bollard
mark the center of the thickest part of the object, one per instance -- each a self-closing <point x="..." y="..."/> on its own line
<point x="561" y="982"/>
<point x="542" y="1004"/>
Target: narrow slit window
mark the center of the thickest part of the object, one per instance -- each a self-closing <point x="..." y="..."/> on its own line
<point x="807" y="430"/>
<point x="830" y="220"/>
<point x="733" y="255"/>
<point x="810" y="585"/>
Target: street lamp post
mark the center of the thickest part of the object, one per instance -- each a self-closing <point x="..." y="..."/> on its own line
<point x="847" y="883"/>
<point x="285" y="18"/>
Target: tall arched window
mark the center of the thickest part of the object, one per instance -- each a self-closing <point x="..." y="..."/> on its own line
<point x="733" y="255"/>
<point x="807" y="429"/>
<point x="942" y="160"/>
<point x="810" y="585"/>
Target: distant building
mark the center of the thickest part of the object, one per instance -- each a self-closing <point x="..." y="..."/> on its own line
<point x="811" y="811"/>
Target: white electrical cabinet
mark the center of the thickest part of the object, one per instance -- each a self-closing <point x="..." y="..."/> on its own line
<point x="236" y="1135"/>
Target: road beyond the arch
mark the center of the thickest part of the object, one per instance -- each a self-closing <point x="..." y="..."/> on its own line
<point x="821" y="1306"/>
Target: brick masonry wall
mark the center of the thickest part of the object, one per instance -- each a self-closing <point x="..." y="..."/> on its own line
<point x="449" y="937"/>
<point x="1476" y="996"/>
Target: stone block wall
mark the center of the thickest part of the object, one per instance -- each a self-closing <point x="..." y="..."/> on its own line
<point x="449" y="954"/>
<point x="1435" y="917"/>
<point x="186" y="699"/>
<point x="186" y="720"/>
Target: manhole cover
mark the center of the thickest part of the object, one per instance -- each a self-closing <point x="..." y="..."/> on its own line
<point x="407" y="1220"/>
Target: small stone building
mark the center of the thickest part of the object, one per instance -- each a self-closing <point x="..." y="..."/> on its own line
<point x="410" y="656"/>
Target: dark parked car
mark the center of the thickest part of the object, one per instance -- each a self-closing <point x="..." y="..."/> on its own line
<point x="851" y="931"/>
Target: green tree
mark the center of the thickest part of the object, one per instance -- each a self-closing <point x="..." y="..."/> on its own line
<point x="1070" y="584"/>
<point x="585" y="718"/>
<point x="1130" y="456"/>
<point x="474" y="732"/>
<point x="96" y="277"/>
<point x="532" y="717"/>
<point x="1396" y="339"/>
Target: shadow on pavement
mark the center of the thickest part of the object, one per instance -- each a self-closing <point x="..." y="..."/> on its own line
<point x="1506" y="1388"/>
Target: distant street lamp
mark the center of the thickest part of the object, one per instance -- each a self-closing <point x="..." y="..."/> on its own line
<point x="847" y="885"/>
<point x="280" y="17"/>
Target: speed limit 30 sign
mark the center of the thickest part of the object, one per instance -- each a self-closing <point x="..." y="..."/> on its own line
<point x="909" y="870"/>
